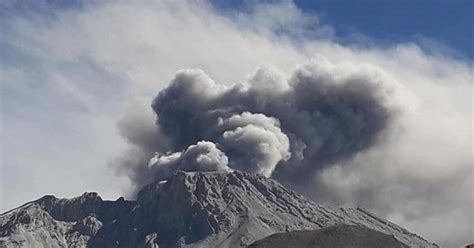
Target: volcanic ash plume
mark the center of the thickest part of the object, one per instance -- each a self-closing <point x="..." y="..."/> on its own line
<point x="288" y="128"/>
<point x="203" y="156"/>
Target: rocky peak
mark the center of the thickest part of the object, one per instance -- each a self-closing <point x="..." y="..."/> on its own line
<point x="196" y="209"/>
<point x="71" y="209"/>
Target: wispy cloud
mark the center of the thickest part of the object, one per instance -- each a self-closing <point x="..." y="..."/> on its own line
<point x="71" y="73"/>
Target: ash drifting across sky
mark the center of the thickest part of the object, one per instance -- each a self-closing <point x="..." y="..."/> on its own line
<point x="287" y="128"/>
<point x="79" y="70"/>
<point x="342" y="133"/>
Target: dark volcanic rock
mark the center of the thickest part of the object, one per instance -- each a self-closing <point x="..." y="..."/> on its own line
<point x="205" y="209"/>
<point x="339" y="236"/>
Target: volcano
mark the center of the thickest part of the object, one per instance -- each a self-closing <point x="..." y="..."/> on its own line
<point x="190" y="209"/>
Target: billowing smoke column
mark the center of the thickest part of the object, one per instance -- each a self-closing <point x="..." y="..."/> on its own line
<point x="204" y="156"/>
<point x="287" y="128"/>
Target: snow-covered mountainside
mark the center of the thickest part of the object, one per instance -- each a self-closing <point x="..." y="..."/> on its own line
<point x="196" y="209"/>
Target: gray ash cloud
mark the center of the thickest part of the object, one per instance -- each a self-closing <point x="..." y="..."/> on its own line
<point x="286" y="128"/>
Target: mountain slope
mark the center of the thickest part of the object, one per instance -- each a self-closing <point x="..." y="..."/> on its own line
<point x="338" y="236"/>
<point x="198" y="209"/>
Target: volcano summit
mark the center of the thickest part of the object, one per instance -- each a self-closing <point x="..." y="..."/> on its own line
<point x="190" y="209"/>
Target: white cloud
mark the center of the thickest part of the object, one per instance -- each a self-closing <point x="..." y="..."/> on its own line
<point x="67" y="80"/>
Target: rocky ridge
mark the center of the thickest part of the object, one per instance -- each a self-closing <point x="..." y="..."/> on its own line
<point x="196" y="209"/>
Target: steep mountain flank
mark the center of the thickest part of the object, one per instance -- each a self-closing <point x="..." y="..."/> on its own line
<point x="196" y="209"/>
<point x="338" y="236"/>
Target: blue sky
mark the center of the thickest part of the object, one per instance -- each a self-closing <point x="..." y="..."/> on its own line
<point x="433" y="24"/>
<point x="448" y="25"/>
